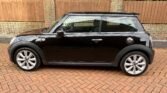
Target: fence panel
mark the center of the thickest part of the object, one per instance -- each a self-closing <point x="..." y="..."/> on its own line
<point x="21" y="10"/>
<point x="150" y="11"/>
<point x="64" y="6"/>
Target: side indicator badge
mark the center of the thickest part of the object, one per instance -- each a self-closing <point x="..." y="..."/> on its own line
<point x="129" y="40"/>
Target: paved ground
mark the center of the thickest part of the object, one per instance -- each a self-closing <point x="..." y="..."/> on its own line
<point x="82" y="80"/>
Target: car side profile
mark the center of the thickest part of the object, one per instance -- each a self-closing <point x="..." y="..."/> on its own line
<point x="86" y="39"/>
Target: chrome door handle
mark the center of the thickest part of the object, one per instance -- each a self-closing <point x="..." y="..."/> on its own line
<point x="97" y="40"/>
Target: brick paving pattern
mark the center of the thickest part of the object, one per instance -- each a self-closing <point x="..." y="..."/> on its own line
<point x="54" y="79"/>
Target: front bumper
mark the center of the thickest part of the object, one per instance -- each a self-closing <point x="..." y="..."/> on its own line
<point x="11" y="55"/>
<point x="152" y="56"/>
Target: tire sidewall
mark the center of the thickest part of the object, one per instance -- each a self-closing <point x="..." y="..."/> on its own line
<point x="34" y="52"/>
<point x="129" y="54"/>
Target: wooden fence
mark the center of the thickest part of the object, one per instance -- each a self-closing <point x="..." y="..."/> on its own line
<point x="64" y="6"/>
<point x="21" y="10"/>
<point x="33" y="10"/>
<point x="150" y="11"/>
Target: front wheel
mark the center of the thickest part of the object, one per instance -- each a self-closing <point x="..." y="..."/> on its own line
<point x="134" y="63"/>
<point x="27" y="59"/>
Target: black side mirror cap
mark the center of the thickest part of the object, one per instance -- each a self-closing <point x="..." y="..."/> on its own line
<point x="60" y="34"/>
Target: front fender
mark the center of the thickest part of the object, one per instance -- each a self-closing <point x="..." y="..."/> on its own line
<point x="146" y="50"/>
<point x="15" y="46"/>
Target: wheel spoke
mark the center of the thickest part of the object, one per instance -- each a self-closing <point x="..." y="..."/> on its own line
<point x="30" y="55"/>
<point x="134" y="57"/>
<point x="139" y="68"/>
<point x="134" y="69"/>
<point x="20" y="59"/>
<point x="32" y="59"/>
<point x="32" y="63"/>
<point x="139" y="59"/>
<point x="142" y="63"/>
<point x="27" y="65"/>
<point x="21" y="55"/>
<point x="128" y="64"/>
<point x="22" y="63"/>
<point x="25" y="53"/>
<point x="130" y="59"/>
<point x="130" y="68"/>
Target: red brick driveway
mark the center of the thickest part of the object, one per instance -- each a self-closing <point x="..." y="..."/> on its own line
<point x="82" y="80"/>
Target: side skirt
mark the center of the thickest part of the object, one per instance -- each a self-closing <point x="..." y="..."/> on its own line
<point x="82" y="64"/>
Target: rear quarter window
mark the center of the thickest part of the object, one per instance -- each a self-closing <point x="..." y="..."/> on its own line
<point x="119" y="24"/>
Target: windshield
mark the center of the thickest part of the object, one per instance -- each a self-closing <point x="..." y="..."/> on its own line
<point x="54" y="24"/>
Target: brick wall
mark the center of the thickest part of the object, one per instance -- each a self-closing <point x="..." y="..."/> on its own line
<point x="158" y="31"/>
<point x="9" y="29"/>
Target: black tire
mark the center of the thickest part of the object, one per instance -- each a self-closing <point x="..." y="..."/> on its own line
<point x="122" y="64"/>
<point x="38" y="61"/>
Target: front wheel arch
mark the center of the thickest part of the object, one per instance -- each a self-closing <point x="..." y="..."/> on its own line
<point x="19" y="45"/>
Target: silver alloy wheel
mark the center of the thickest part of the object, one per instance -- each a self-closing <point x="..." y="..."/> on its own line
<point x="26" y="59"/>
<point x="135" y="64"/>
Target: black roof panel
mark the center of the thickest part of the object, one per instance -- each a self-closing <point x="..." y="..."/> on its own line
<point x="103" y="13"/>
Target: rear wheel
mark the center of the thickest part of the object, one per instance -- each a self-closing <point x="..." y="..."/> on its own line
<point x="27" y="59"/>
<point x="134" y="63"/>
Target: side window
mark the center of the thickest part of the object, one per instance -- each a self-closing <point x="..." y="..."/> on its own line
<point x="118" y="24"/>
<point x="81" y="24"/>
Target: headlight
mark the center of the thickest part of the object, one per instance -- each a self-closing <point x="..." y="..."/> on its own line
<point x="12" y="40"/>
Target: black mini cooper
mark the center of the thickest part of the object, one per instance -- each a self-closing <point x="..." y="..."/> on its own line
<point x="86" y="39"/>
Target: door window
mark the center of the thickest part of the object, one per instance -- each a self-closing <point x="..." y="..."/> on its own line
<point x="81" y="24"/>
<point x="118" y="24"/>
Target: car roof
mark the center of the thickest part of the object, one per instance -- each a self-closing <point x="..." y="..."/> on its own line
<point x="103" y="13"/>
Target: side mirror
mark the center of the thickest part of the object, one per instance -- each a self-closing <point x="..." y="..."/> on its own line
<point x="60" y="33"/>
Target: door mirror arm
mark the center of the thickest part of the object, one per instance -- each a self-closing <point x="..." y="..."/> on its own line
<point x="60" y="34"/>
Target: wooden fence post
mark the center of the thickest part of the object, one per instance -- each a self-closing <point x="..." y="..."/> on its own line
<point x="49" y="12"/>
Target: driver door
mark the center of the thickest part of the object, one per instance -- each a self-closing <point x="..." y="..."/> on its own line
<point x="79" y="43"/>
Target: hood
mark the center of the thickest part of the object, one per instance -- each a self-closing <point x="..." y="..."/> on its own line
<point x="33" y="32"/>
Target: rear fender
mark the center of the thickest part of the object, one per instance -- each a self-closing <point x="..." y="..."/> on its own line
<point x="148" y="51"/>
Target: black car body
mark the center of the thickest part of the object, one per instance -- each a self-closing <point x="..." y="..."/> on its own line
<point x="96" y="38"/>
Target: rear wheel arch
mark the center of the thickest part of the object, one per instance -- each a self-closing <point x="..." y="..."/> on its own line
<point x="141" y="48"/>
